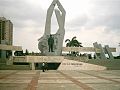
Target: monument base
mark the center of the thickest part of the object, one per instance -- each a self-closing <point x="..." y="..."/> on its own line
<point x="76" y="65"/>
<point x="58" y="63"/>
<point x="38" y="59"/>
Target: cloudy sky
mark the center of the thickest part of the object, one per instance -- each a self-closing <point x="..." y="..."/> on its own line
<point x="90" y="20"/>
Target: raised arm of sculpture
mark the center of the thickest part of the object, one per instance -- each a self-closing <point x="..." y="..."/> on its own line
<point x="61" y="8"/>
<point x="60" y="16"/>
<point x="48" y="18"/>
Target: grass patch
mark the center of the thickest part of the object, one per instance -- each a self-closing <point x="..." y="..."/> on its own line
<point x="110" y="64"/>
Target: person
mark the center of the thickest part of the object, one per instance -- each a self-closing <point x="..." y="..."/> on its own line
<point x="46" y="66"/>
<point x="50" y="43"/>
<point x="43" y="67"/>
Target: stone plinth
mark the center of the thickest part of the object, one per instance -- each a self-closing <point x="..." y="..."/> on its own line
<point x="20" y="59"/>
<point x="49" y="59"/>
<point x="86" y="49"/>
<point x="81" y="49"/>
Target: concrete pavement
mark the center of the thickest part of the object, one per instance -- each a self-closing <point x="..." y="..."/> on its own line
<point x="59" y="80"/>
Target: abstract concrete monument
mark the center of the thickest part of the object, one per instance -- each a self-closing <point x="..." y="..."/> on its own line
<point x="103" y="51"/>
<point x="100" y="55"/>
<point x="59" y="36"/>
<point x="107" y="50"/>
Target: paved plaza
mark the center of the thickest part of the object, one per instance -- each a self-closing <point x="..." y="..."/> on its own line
<point x="59" y="80"/>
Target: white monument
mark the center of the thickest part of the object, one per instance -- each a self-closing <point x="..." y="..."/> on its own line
<point x="103" y="51"/>
<point x="107" y="50"/>
<point x="59" y="36"/>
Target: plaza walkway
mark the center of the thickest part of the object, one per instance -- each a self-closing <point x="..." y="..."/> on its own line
<point x="59" y="80"/>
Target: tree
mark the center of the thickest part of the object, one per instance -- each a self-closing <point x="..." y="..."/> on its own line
<point x="73" y="43"/>
<point x="26" y="52"/>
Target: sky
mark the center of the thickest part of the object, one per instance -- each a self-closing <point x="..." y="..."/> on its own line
<point x="89" y="20"/>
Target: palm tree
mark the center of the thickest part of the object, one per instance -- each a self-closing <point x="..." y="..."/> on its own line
<point x="73" y="43"/>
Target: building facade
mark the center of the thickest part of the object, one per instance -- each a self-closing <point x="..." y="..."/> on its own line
<point x="6" y="35"/>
